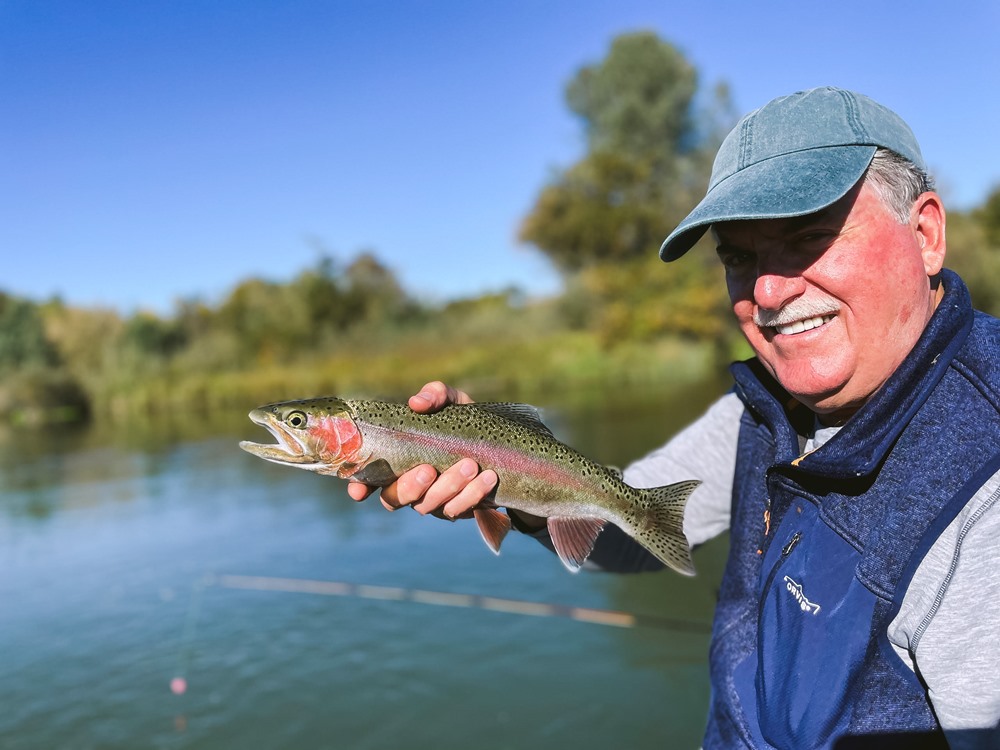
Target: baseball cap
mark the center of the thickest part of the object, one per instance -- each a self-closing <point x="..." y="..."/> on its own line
<point x="793" y="156"/>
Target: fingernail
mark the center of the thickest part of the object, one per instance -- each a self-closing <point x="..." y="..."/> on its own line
<point x="488" y="478"/>
<point x="468" y="469"/>
<point x="425" y="476"/>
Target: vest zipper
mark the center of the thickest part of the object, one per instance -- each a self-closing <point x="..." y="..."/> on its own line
<point x="785" y="552"/>
<point x="767" y="524"/>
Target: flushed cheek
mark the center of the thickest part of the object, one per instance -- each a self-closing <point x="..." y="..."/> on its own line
<point x="805" y="364"/>
<point x="743" y="311"/>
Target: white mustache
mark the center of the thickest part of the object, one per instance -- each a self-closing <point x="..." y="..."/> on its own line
<point x="800" y="309"/>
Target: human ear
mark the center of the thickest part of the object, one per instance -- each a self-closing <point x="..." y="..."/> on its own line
<point x="927" y="218"/>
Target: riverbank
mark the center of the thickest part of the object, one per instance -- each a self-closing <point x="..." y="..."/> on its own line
<point x="545" y="368"/>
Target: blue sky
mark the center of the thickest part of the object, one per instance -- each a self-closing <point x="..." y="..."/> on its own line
<point x="157" y="149"/>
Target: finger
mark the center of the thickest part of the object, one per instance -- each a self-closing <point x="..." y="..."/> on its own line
<point x="409" y="488"/>
<point x="435" y="396"/>
<point x="448" y="485"/>
<point x="439" y="513"/>
<point x="386" y="504"/>
<point x="359" y="491"/>
<point x="471" y="495"/>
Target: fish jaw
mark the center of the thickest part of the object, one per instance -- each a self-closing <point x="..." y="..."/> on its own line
<point x="291" y="447"/>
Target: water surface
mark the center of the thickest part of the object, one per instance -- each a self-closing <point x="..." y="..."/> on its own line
<point x="112" y="556"/>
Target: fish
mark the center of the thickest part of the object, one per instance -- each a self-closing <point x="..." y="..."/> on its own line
<point x="374" y="442"/>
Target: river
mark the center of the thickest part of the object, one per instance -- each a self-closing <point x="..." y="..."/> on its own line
<point x="165" y="589"/>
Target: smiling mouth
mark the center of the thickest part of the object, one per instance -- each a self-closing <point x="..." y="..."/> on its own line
<point x="799" y="326"/>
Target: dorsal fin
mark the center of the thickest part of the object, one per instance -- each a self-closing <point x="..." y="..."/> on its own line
<point x="524" y="414"/>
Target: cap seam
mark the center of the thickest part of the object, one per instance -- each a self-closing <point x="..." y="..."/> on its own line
<point x="853" y="116"/>
<point x="746" y="142"/>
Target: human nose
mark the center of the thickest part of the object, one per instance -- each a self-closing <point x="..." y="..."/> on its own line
<point x="774" y="290"/>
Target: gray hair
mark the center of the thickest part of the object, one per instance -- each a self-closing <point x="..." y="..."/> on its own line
<point x="898" y="182"/>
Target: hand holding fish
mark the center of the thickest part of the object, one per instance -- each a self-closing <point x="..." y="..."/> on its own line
<point x="454" y="492"/>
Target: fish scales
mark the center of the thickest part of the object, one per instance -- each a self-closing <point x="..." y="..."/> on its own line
<point x="518" y="454"/>
<point x="376" y="441"/>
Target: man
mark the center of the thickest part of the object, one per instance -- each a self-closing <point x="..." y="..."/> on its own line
<point x="856" y="462"/>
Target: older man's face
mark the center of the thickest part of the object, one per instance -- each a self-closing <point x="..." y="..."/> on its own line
<point x="833" y="302"/>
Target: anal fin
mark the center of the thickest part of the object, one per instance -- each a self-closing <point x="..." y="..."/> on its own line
<point x="574" y="538"/>
<point x="493" y="525"/>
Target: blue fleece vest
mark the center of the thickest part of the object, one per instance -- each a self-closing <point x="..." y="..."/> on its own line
<point x="823" y="547"/>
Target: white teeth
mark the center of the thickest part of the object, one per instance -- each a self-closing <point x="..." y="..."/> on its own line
<point x="804" y="325"/>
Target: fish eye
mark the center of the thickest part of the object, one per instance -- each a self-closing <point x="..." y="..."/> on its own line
<point x="297" y="419"/>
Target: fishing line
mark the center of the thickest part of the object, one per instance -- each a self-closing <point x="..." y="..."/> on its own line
<point x="178" y="683"/>
<point x="445" y="599"/>
<point x="612" y="618"/>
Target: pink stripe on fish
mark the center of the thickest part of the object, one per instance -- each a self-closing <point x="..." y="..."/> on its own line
<point x="487" y="453"/>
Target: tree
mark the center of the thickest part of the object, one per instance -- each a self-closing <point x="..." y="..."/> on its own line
<point x="23" y="342"/>
<point x="637" y="102"/>
<point x="648" y="158"/>
<point x="601" y="221"/>
<point x="36" y="388"/>
<point x="974" y="251"/>
<point x="988" y="216"/>
<point x="152" y="336"/>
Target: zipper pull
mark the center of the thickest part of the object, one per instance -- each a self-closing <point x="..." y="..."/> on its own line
<point x="787" y="549"/>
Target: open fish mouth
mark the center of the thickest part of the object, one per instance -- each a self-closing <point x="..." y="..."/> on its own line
<point x="288" y="449"/>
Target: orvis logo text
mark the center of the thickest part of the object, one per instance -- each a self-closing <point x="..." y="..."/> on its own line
<point x="795" y="589"/>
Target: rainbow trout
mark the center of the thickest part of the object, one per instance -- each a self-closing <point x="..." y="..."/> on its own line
<point x="375" y="441"/>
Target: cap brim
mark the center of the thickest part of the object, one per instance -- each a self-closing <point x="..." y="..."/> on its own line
<point x="789" y="185"/>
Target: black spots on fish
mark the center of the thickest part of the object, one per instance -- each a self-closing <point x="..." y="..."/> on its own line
<point x="660" y="530"/>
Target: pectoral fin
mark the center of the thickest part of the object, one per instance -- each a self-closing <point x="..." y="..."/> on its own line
<point x="574" y="539"/>
<point x="493" y="525"/>
<point x="378" y="473"/>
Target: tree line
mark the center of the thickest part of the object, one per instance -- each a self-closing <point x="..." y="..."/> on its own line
<point x="651" y="131"/>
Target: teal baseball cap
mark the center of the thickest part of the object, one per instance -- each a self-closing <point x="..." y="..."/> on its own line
<point x="793" y="156"/>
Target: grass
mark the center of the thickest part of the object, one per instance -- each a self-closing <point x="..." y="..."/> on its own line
<point x="536" y="368"/>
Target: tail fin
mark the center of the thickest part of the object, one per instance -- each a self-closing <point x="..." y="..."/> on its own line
<point x="663" y="532"/>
